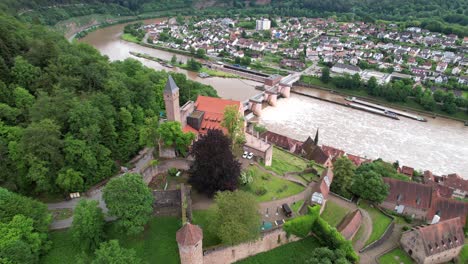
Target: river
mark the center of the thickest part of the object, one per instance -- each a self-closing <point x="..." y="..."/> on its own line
<point x="107" y="41"/>
<point x="440" y="145"/>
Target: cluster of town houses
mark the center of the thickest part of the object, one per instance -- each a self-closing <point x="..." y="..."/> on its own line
<point x="414" y="52"/>
<point x="435" y="201"/>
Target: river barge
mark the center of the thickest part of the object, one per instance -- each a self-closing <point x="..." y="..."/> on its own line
<point x="385" y="109"/>
<point x="371" y="110"/>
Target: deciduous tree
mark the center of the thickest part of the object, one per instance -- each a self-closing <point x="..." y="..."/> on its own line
<point x="343" y="174"/>
<point x="215" y="167"/>
<point x="370" y="186"/>
<point x="70" y="180"/>
<point x="171" y="134"/>
<point x="88" y="224"/>
<point x="234" y="124"/>
<point x="112" y="253"/>
<point x="130" y="200"/>
<point x="235" y="217"/>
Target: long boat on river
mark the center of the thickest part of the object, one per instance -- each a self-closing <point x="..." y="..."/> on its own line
<point x="385" y="109"/>
<point x="373" y="110"/>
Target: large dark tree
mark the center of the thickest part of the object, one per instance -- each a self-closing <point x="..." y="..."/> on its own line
<point x="215" y="167"/>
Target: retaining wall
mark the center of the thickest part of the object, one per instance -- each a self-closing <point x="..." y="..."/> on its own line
<point x="268" y="241"/>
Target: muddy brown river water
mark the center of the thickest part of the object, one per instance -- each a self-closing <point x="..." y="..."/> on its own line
<point x="440" y="145"/>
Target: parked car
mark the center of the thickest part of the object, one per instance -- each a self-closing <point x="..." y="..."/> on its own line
<point x="250" y="156"/>
<point x="245" y="154"/>
<point x="287" y="211"/>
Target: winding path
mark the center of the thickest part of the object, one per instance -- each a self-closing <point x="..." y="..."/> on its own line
<point x="95" y="193"/>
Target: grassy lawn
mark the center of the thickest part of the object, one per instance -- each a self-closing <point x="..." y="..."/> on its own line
<point x="286" y="162"/>
<point x="396" y="256"/>
<point x="129" y="38"/>
<point x="201" y="218"/>
<point x="267" y="187"/>
<point x="156" y="242"/>
<point x="380" y="222"/>
<point x="296" y="206"/>
<point x="219" y="73"/>
<point x="295" y="252"/>
<point x="358" y="235"/>
<point x="60" y="214"/>
<point x="334" y="213"/>
<point x="465" y="94"/>
<point x="463" y="257"/>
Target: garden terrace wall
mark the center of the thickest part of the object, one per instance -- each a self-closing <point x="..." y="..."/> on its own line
<point x="268" y="240"/>
<point x="388" y="232"/>
<point x="169" y="202"/>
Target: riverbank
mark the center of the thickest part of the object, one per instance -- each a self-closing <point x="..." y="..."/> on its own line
<point x="410" y="106"/>
<point x="165" y="63"/>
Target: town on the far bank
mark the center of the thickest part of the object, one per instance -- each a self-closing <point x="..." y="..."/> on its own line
<point x="406" y="65"/>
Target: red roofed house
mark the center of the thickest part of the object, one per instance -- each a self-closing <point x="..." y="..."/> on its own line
<point x="408" y="171"/>
<point x="422" y="201"/>
<point x="284" y="142"/>
<point x="436" y="243"/>
<point x="320" y="191"/>
<point x="208" y="114"/>
<point x="457" y="184"/>
<point x="408" y="198"/>
<point x="332" y="152"/>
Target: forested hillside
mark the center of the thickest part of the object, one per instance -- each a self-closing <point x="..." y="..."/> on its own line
<point x="436" y="15"/>
<point x="69" y="117"/>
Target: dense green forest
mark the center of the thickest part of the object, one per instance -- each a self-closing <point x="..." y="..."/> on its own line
<point x="435" y="15"/>
<point x="69" y="117"/>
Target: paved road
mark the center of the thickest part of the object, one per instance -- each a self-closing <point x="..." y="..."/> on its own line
<point x="392" y="242"/>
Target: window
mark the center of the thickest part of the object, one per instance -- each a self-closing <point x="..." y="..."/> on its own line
<point x="418" y="201"/>
<point x="399" y="197"/>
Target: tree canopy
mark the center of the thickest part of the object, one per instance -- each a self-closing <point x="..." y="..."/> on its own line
<point x="111" y="252"/>
<point x="130" y="200"/>
<point x="171" y="135"/>
<point x="215" y="167"/>
<point x="235" y="217"/>
<point x="69" y="117"/>
<point x="370" y="186"/>
<point x="343" y="174"/>
<point x="88" y="223"/>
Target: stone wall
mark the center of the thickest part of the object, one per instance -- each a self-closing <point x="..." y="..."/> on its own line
<point x="169" y="202"/>
<point x="268" y="241"/>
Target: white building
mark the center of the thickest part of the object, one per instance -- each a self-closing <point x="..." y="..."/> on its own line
<point x="263" y="24"/>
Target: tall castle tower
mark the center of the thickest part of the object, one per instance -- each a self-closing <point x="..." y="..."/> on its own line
<point x="189" y="239"/>
<point x="171" y="100"/>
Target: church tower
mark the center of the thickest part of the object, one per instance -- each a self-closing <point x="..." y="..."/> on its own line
<point x="171" y="100"/>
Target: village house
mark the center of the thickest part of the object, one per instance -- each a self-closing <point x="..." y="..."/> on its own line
<point x="345" y="69"/>
<point x="422" y="201"/>
<point x="436" y="243"/>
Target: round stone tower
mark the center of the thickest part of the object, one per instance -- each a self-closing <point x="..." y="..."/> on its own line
<point x="189" y="239"/>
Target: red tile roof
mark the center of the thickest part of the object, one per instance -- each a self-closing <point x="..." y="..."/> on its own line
<point x="281" y="141"/>
<point x="189" y="235"/>
<point x="448" y="208"/>
<point x="334" y="153"/>
<point x="214" y="112"/>
<point x="356" y="159"/>
<point x="442" y="236"/>
<point x="455" y="181"/>
<point x="412" y="194"/>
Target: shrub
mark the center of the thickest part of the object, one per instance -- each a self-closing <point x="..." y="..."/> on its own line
<point x="261" y="191"/>
<point x="266" y="177"/>
<point x="406" y="228"/>
<point x="282" y="189"/>
<point x="172" y="172"/>
<point x="301" y="226"/>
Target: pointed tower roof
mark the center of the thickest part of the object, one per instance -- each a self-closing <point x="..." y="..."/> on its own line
<point x="316" y="137"/>
<point x="189" y="235"/>
<point x="171" y="86"/>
